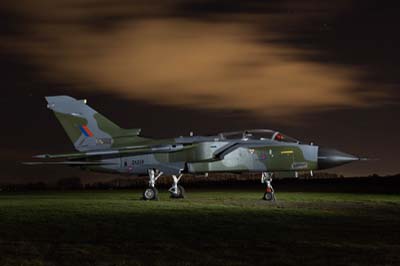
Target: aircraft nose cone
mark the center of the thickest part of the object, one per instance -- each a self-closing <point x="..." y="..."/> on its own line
<point x="328" y="158"/>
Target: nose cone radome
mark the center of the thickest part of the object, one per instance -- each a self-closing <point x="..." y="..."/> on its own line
<point x="328" y="158"/>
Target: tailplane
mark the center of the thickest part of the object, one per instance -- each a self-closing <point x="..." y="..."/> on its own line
<point x="88" y="129"/>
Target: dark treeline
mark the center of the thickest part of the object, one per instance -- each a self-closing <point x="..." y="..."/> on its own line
<point x="321" y="182"/>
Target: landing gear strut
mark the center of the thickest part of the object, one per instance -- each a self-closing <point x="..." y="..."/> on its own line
<point x="151" y="193"/>
<point x="177" y="191"/>
<point x="266" y="178"/>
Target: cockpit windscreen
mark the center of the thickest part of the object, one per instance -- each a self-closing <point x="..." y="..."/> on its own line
<point x="258" y="134"/>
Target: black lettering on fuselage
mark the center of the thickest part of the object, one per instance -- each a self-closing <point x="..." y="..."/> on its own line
<point x="137" y="162"/>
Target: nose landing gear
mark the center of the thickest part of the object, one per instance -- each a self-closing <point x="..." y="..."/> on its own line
<point x="266" y="178"/>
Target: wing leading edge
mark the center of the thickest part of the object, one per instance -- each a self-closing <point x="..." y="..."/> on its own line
<point x="71" y="163"/>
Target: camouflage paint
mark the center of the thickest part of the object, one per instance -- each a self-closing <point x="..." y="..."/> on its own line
<point x="114" y="149"/>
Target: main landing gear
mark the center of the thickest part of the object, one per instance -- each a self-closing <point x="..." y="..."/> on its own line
<point x="177" y="191"/>
<point x="266" y="178"/>
<point x="151" y="193"/>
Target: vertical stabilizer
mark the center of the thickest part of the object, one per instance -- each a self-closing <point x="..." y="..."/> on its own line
<point x="87" y="129"/>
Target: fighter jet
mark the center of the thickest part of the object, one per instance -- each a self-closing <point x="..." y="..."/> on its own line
<point x="105" y="147"/>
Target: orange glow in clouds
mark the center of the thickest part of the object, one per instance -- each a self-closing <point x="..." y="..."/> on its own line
<point x="174" y="61"/>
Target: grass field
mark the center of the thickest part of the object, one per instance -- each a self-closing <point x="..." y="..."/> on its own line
<point x="207" y="228"/>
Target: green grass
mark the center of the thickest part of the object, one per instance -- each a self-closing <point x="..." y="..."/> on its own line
<point x="206" y="228"/>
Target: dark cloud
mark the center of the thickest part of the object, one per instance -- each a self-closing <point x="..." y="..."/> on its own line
<point x="158" y="54"/>
<point x="361" y="34"/>
<point x="357" y="34"/>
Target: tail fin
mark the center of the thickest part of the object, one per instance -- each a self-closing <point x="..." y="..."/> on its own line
<point x="88" y="129"/>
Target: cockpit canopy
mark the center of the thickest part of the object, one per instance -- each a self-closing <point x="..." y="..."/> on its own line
<point x="258" y="134"/>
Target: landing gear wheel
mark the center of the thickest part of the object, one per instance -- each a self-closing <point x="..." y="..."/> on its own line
<point x="151" y="193"/>
<point x="269" y="196"/>
<point x="266" y="178"/>
<point x="179" y="194"/>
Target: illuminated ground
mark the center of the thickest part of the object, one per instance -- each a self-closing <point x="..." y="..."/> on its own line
<point x="207" y="228"/>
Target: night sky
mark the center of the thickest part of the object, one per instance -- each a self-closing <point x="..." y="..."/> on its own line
<point x="321" y="71"/>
